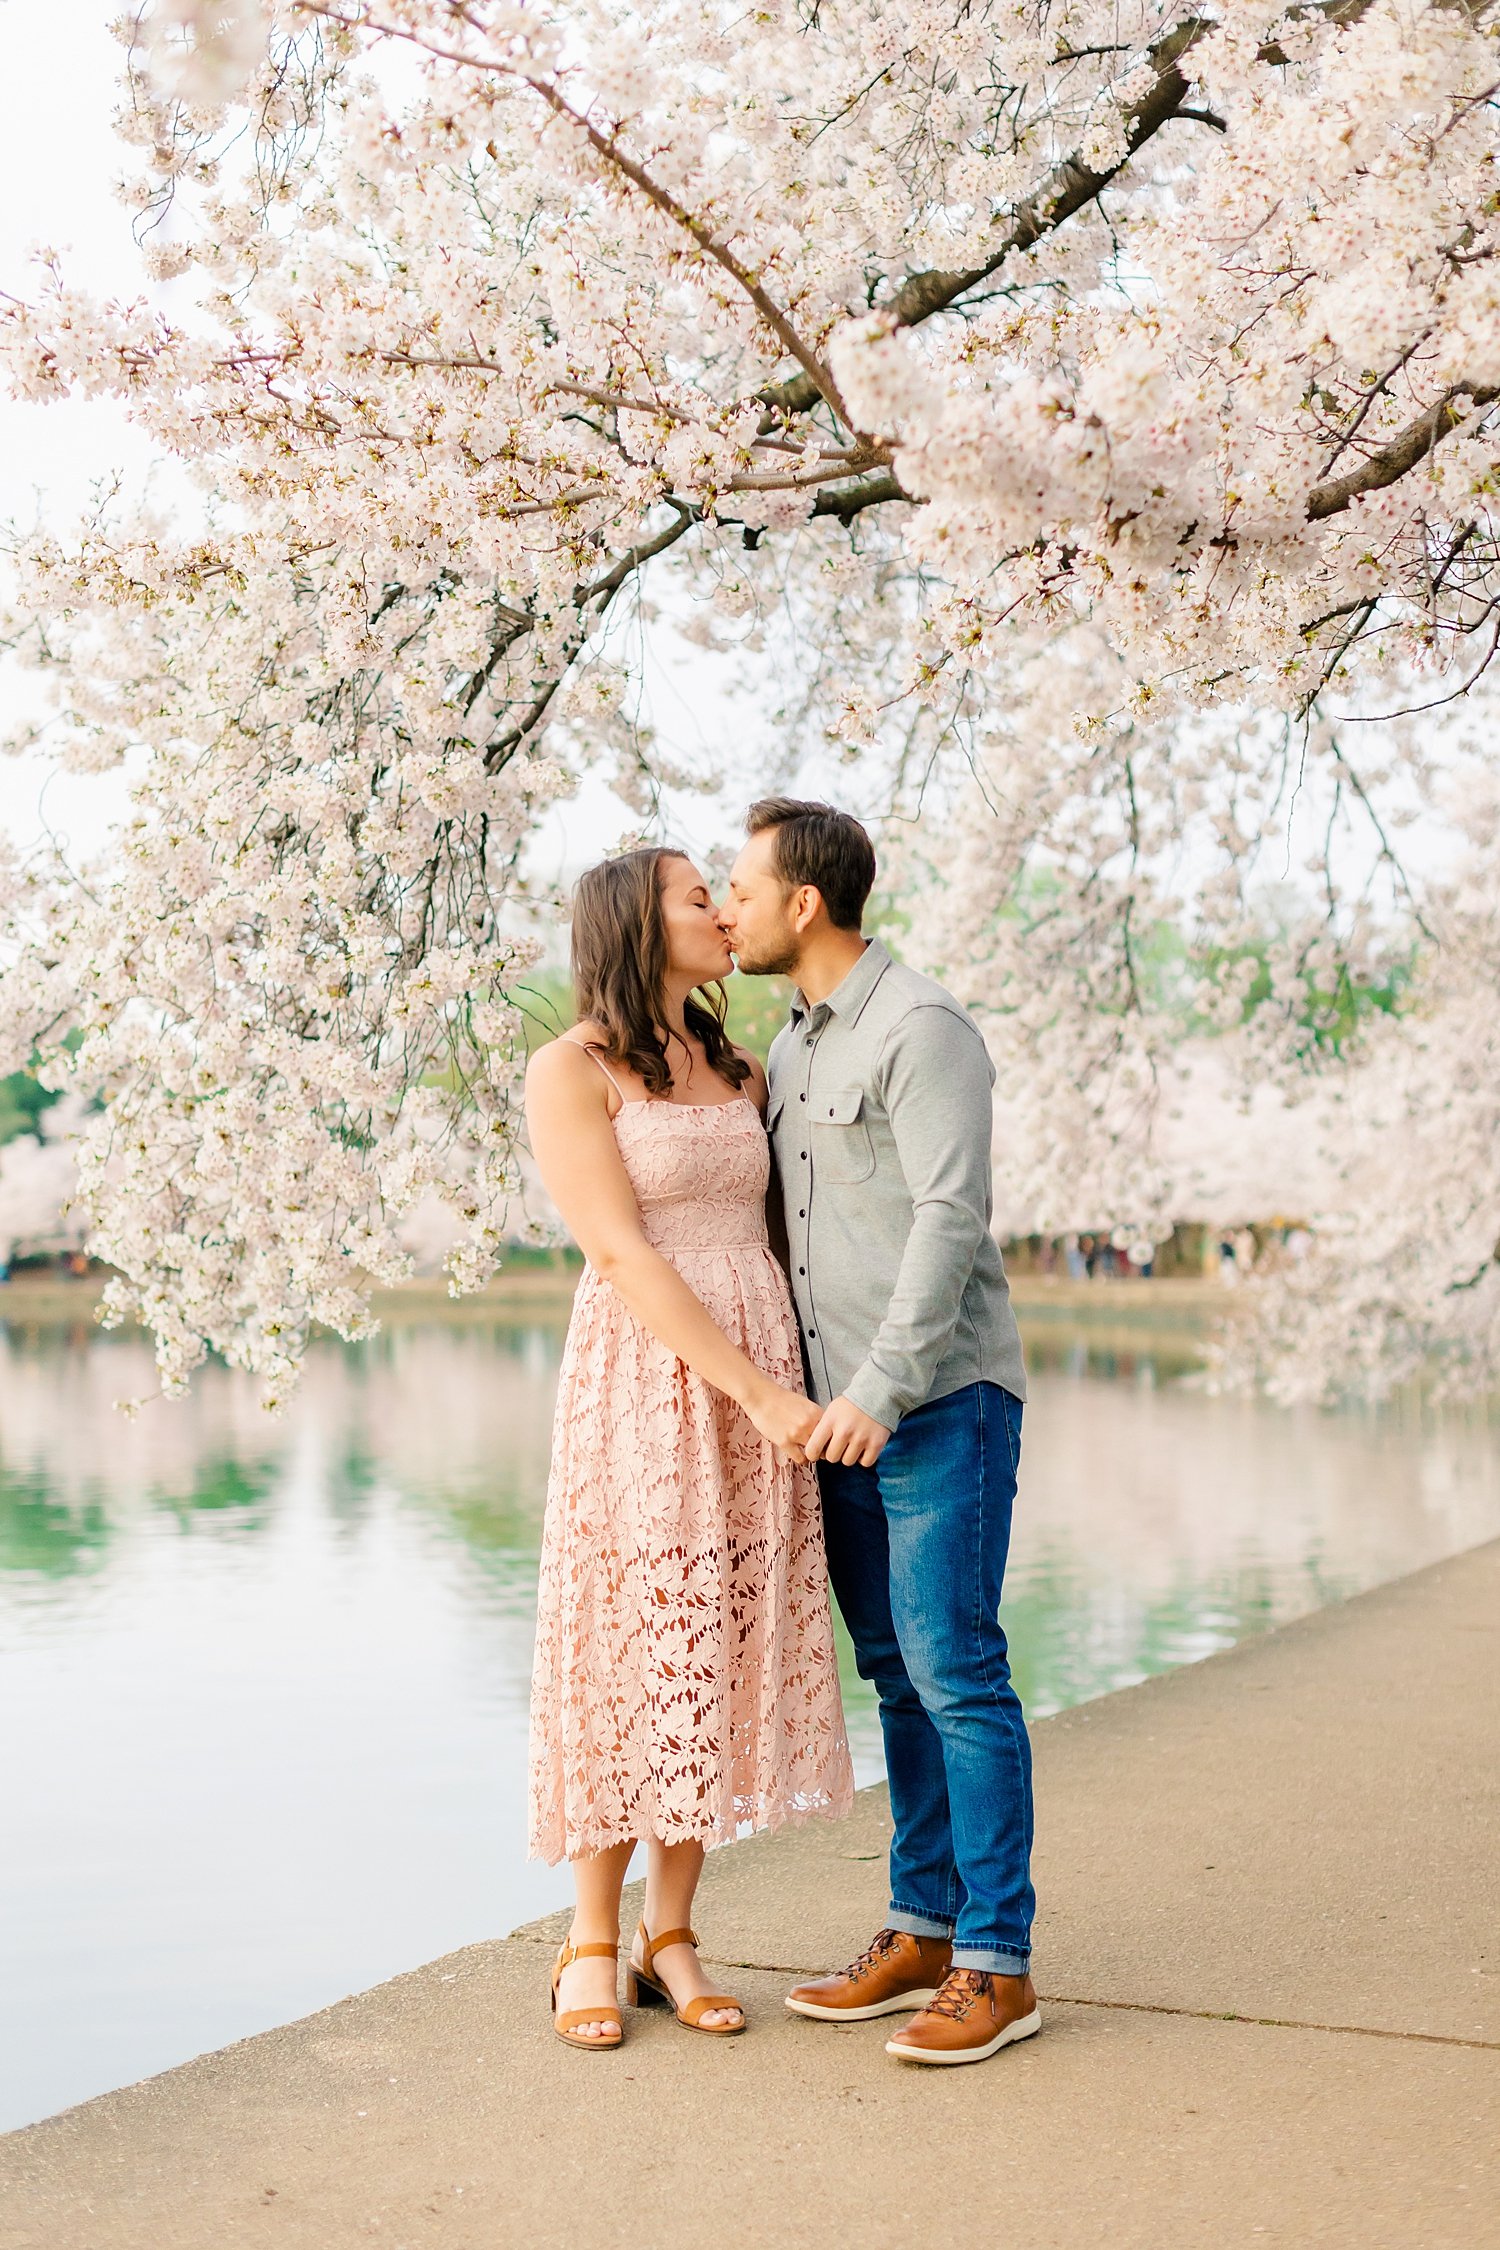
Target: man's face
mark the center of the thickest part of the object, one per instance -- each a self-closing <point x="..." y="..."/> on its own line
<point x="757" y="913"/>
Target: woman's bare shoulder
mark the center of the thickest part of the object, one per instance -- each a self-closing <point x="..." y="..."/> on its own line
<point x="564" y="1060"/>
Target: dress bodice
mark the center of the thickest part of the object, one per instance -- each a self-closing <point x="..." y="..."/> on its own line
<point x="699" y="1171"/>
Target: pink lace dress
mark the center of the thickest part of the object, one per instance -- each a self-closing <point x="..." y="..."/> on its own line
<point x="685" y="1683"/>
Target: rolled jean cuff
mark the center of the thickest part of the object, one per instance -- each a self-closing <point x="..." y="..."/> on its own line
<point x="914" y="1924"/>
<point x="986" y="1957"/>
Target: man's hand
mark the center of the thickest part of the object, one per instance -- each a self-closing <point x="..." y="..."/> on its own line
<point x="847" y="1434"/>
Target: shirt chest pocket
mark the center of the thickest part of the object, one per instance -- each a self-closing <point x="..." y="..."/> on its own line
<point x="842" y="1151"/>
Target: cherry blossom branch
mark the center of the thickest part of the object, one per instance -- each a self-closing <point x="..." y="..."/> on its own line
<point x="1071" y="186"/>
<point x="600" y="591"/>
<point x="848" y="501"/>
<point x="607" y="147"/>
<point x="595" y="596"/>
<point x="1401" y="453"/>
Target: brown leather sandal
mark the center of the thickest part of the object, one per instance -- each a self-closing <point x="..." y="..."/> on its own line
<point x="641" y="1986"/>
<point x="565" y="2024"/>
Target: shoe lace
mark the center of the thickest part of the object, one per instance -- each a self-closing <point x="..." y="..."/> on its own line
<point x="882" y="1943"/>
<point x="958" y="1992"/>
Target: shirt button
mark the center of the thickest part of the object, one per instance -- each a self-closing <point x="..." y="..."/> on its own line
<point x="802" y="1269"/>
<point x="812" y="1335"/>
<point x="803" y="1154"/>
<point x="802" y="1214"/>
<point x="802" y="1097"/>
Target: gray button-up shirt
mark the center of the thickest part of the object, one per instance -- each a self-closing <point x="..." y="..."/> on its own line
<point x="880" y="1117"/>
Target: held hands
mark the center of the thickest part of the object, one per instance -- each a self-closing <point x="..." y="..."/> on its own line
<point x="785" y="1417"/>
<point x="841" y="1432"/>
<point x="845" y="1433"/>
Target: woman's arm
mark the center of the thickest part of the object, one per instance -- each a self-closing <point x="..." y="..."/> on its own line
<point x="567" y="1116"/>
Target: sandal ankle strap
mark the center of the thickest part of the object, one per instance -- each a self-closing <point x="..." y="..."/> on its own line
<point x="571" y="1953"/>
<point x="651" y="1946"/>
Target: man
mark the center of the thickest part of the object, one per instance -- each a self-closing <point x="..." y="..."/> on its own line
<point x="880" y="1120"/>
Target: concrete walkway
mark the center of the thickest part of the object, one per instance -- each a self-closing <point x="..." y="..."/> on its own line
<point x="1270" y="1940"/>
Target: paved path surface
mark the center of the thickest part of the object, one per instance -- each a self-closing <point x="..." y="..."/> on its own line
<point x="1270" y="1961"/>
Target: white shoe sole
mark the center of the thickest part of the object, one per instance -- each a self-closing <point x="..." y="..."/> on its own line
<point x="900" y="2003"/>
<point x="1024" y="2027"/>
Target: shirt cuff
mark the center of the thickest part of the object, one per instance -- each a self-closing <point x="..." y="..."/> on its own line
<point x="873" y="1395"/>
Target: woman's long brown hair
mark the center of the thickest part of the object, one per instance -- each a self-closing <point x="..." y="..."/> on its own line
<point x="620" y="971"/>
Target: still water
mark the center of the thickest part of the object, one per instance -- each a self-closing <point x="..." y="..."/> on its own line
<point x="264" y="1683"/>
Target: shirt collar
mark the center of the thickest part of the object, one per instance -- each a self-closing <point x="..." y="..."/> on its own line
<point x="847" y="998"/>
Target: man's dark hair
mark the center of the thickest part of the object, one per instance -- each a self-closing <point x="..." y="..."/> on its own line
<point x="819" y="845"/>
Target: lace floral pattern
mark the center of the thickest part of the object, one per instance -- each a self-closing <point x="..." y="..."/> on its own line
<point x="685" y="1683"/>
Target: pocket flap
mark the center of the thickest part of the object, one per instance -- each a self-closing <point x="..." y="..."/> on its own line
<point x="843" y="1105"/>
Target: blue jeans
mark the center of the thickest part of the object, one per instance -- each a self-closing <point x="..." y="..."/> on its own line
<point x="916" y="1553"/>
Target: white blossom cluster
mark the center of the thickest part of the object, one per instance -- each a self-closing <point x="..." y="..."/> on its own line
<point x="1401" y="1282"/>
<point x="38" y="1186"/>
<point x="1108" y="392"/>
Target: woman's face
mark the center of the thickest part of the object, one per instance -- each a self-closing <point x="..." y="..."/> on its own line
<point x="696" y="946"/>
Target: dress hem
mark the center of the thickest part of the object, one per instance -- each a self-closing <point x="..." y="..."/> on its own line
<point x="831" y="1806"/>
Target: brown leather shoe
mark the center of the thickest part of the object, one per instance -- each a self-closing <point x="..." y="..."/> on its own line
<point x="975" y="2014"/>
<point x="895" y="1971"/>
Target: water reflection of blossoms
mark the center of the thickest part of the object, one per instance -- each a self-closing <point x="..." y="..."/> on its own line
<point x="1158" y="1522"/>
<point x="454" y="1419"/>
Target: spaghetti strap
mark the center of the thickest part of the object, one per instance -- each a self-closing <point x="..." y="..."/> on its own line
<point x="609" y="1074"/>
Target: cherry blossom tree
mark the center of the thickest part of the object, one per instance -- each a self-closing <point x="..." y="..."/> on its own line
<point x="1085" y="416"/>
<point x="38" y="1182"/>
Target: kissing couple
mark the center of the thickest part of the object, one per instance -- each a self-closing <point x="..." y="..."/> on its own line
<point x="791" y="1358"/>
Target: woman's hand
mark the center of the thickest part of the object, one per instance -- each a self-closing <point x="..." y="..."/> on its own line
<point x="785" y="1417"/>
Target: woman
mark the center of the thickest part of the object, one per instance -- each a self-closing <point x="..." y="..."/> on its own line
<point x="685" y="1681"/>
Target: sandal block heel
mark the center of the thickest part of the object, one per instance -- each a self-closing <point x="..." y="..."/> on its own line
<point x="643" y="1992"/>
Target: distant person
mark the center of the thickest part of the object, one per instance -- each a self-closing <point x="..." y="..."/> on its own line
<point x="881" y="1117"/>
<point x="1073" y="1259"/>
<point x="685" y="1683"/>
